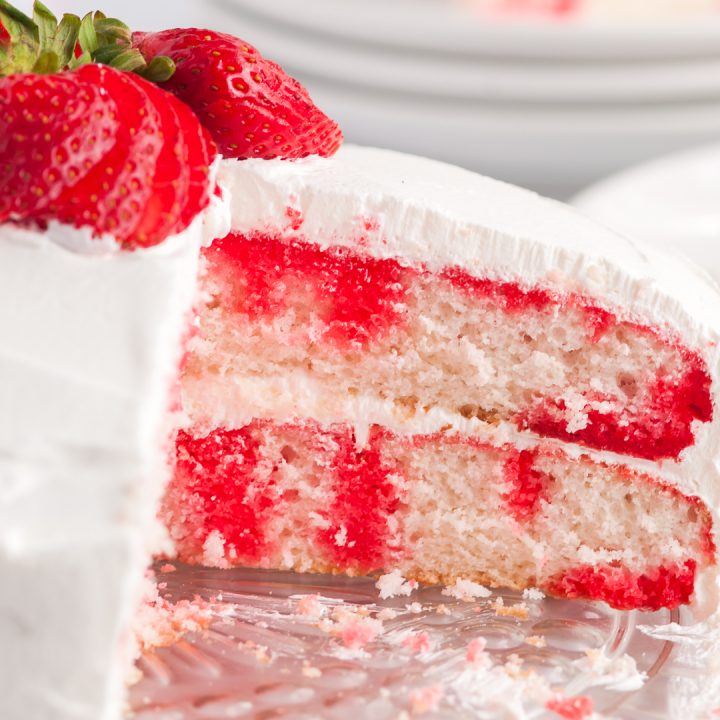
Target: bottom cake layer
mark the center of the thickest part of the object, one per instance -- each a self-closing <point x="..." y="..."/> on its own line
<point x="437" y="507"/>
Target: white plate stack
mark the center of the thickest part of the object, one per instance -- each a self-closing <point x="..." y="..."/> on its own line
<point x="550" y="104"/>
<point x="672" y="203"/>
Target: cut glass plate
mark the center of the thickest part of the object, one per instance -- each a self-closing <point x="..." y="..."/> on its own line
<point x="261" y="657"/>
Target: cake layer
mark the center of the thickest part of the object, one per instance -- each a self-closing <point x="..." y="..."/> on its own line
<point x="559" y="364"/>
<point x="437" y="507"/>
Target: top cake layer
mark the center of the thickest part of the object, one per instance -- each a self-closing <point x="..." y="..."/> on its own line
<point x="413" y="219"/>
<point x="395" y="205"/>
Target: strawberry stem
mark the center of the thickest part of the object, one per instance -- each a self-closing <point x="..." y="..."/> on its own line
<point x="42" y="45"/>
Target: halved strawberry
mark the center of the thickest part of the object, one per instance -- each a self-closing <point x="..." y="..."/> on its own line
<point x="251" y="107"/>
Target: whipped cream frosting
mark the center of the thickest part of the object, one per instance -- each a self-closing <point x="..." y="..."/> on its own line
<point x="89" y="348"/>
<point x="90" y="342"/>
<point x="391" y="205"/>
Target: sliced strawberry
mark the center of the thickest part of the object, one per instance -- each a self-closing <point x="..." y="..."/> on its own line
<point x="53" y="130"/>
<point x="114" y="195"/>
<point x="197" y="158"/>
<point x="170" y="179"/>
<point x="251" y="107"/>
<point x="101" y="148"/>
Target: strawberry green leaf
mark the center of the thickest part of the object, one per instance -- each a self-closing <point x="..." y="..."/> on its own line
<point x="39" y="44"/>
<point x="12" y="17"/>
<point x="112" y="29"/>
<point x="20" y="54"/>
<point x="159" y="69"/>
<point x="66" y="38"/>
<point x="122" y="58"/>
<point x="46" y="63"/>
<point x="88" y="37"/>
<point x="46" y="24"/>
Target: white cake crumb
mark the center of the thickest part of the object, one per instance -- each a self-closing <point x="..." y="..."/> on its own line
<point x="310" y="671"/>
<point x="310" y="606"/>
<point x="518" y="610"/>
<point x="426" y="699"/>
<point x="533" y="594"/>
<point x="537" y="641"/>
<point x="341" y="536"/>
<point x="387" y="614"/>
<point x="393" y="584"/>
<point x="476" y="656"/>
<point x="214" y="550"/>
<point x="417" y="642"/>
<point x="466" y="590"/>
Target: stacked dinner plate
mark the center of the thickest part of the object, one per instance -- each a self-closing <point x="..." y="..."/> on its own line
<point x="671" y="202"/>
<point x="549" y="102"/>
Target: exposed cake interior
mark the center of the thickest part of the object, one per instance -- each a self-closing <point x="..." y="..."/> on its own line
<point x="292" y="486"/>
<point x="305" y="497"/>
<point x="560" y="366"/>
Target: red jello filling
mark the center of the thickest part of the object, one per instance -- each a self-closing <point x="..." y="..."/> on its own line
<point x="223" y="483"/>
<point x="359" y="537"/>
<point x="661" y="429"/>
<point x="358" y="297"/>
<point x="220" y="470"/>
<point x="665" y="586"/>
<point x="527" y="485"/>
<point x="507" y="295"/>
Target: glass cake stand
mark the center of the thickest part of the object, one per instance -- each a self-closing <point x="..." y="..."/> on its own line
<point x="264" y="656"/>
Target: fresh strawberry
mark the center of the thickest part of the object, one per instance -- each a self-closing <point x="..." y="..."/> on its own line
<point x="94" y="147"/>
<point x="251" y="107"/>
<point x="100" y="148"/>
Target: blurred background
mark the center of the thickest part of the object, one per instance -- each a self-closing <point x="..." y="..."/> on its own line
<point x="550" y="94"/>
<point x="555" y="95"/>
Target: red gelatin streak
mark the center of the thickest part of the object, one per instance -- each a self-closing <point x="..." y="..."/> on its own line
<point x="507" y="295"/>
<point x="357" y="296"/>
<point x="665" y="586"/>
<point x="220" y="469"/>
<point x="662" y="429"/>
<point x="364" y="497"/>
<point x="528" y="486"/>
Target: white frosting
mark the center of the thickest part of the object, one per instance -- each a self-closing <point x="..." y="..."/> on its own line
<point x="89" y="348"/>
<point x="427" y="212"/>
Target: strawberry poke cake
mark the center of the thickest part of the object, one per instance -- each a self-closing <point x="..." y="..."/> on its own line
<point x="225" y="339"/>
